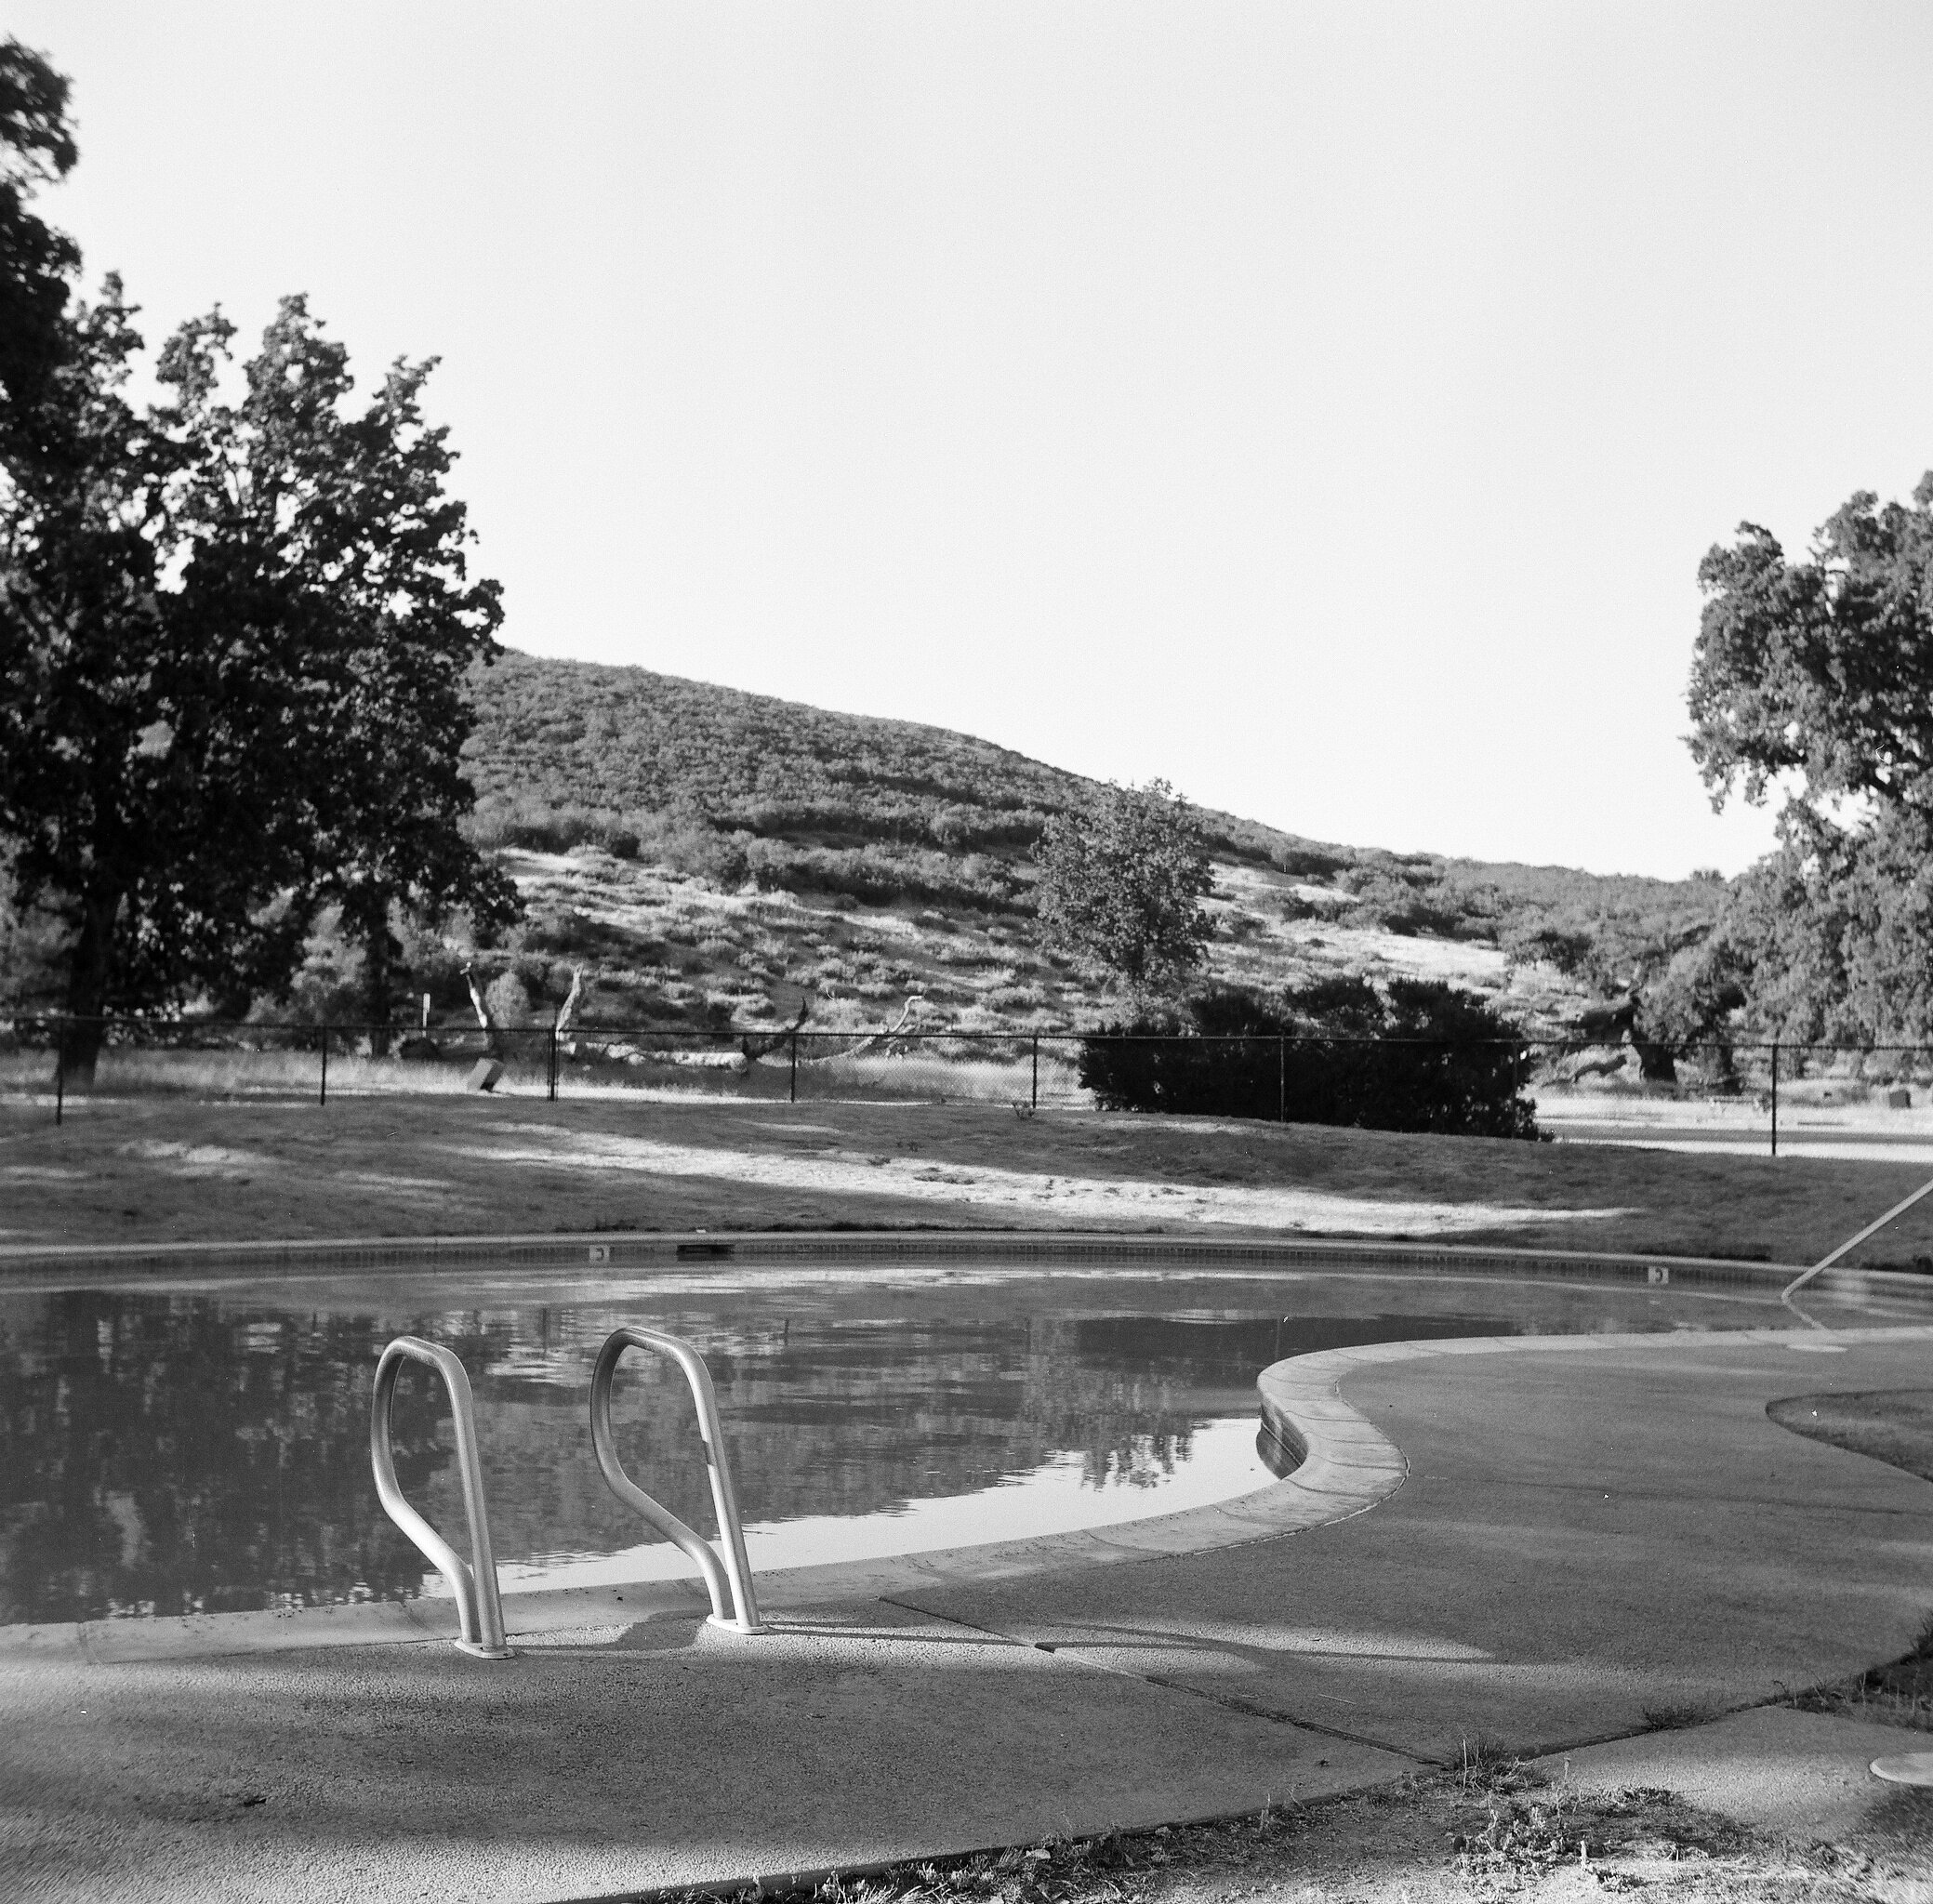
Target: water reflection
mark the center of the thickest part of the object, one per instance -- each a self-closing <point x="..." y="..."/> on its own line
<point x="170" y="1452"/>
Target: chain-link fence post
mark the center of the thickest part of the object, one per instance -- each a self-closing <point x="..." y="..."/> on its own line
<point x="793" y="1097"/>
<point x="551" y="1069"/>
<point x="1775" y="1097"/>
<point x="60" y="1072"/>
<point x="1033" y="1100"/>
<point x="323" y="1096"/>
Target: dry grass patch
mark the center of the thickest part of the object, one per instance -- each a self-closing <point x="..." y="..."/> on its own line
<point x="1492" y="1829"/>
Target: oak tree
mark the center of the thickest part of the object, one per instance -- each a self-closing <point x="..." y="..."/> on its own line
<point x="348" y="503"/>
<point x="232" y="641"/>
<point x="145" y="733"/>
<point x="1812" y="682"/>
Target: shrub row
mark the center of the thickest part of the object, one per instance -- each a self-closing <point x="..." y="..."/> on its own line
<point x="1419" y="1058"/>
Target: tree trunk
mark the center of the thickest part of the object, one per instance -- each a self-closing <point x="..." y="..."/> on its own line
<point x="88" y="972"/>
<point x="493" y="1033"/>
<point x="367" y="916"/>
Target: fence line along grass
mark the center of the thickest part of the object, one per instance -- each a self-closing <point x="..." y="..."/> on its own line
<point x="122" y="1072"/>
<point x="921" y="1075"/>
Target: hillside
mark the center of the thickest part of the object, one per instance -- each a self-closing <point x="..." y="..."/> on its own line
<point x="709" y="854"/>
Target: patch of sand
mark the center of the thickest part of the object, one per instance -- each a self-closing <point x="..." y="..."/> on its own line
<point x="196" y="1159"/>
<point x="1019" y="1193"/>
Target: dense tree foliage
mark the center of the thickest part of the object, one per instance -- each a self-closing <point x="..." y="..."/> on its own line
<point x="36" y="262"/>
<point x="347" y="510"/>
<point x="234" y="638"/>
<point x="144" y="738"/>
<point x="1812" y="682"/>
<point x="1122" y="885"/>
<point x="1816" y="676"/>
<point x="1419" y="1056"/>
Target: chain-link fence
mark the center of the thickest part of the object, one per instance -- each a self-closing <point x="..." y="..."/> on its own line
<point x="203" y="1058"/>
<point x="1766" y="1091"/>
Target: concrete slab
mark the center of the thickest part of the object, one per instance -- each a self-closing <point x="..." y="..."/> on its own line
<point x="1801" y="1776"/>
<point x="601" y="1762"/>
<point x="1582" y="1538"/>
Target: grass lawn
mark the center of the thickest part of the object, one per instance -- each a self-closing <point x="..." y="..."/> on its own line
<point x="177" y="1168"/>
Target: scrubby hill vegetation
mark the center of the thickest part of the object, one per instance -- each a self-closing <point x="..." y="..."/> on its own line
<point x="712" y="852"/>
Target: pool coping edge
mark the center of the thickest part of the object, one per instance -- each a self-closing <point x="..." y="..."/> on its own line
<point x="608" y="1251"/>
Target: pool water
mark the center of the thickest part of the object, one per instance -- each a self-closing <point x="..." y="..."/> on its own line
<point x="205" y="1448"/>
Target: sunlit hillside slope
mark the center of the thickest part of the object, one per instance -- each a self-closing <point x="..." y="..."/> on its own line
<point x="710" y="854"/>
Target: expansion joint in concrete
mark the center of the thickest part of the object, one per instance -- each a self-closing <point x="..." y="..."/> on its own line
<point x="1228" y="1702"/>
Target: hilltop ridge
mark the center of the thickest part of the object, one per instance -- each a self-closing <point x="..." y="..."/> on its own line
<point x="615" y="739"/>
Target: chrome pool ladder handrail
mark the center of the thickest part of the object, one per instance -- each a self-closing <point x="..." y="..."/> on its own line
<point x="735" y="1569"/>
<point x="479" y="1606"/>
<point x="1852" y="1242"/>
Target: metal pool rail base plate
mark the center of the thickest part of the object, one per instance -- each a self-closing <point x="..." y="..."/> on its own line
<point x="1348" y="1466"/>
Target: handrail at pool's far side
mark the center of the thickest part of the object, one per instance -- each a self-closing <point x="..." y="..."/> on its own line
<point x="479" y="1606"/>
<point x="1852" y="1242"/>
<point x="735" y="1569"/>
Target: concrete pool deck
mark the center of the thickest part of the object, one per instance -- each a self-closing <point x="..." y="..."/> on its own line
<point x="1574" y="1533"/>
<point x="1569" y="1534"/>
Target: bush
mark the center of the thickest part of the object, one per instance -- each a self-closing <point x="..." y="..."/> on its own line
<point x="536" y="826"/>
<point x="689" y="844"/>
<point x="1411" y="901"/>
<point x="1304" y="862"/>
<point x="509" y="1000"/>
<point x="1423" y="1058"/>
<point x="882" y="874"/>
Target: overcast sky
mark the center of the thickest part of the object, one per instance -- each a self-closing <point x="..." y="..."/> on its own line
<point x="1322" y="408"/>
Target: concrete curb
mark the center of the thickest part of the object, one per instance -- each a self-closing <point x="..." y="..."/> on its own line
<point x="1346" y="1465"/>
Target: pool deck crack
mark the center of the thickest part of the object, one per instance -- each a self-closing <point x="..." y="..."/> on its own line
<point x="1067" y="1655"/>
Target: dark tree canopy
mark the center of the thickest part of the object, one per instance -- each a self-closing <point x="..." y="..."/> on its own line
<point x="1813" y="681"/>
<point x="1418" y="1056"/>
<point x="346" y="510"/>
<point x="1122" y="885"/>
<point x="36" y="262"/>
<point x="231" y="644"/>
<point x="142" y="749"/>
<point x="1821" y="670"/>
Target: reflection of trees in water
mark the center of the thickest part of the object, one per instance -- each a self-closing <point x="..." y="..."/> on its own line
<point x="159" y="1454"/>
<point x="170" y="1452"/>
<point x="836" y="1417"/>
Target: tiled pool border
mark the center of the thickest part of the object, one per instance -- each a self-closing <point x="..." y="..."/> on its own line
<point x="606" y="1252"/>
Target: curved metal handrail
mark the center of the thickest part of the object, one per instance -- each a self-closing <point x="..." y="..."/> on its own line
<point x="1900" y="1209"/>
<point x="734" y="1565"/>
<point x="479" y="1609"/>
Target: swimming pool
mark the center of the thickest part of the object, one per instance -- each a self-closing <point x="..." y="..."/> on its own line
<point x="202" y="1446"/>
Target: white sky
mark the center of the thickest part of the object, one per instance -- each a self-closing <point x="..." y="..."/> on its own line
<point x="1324" y="407"/>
